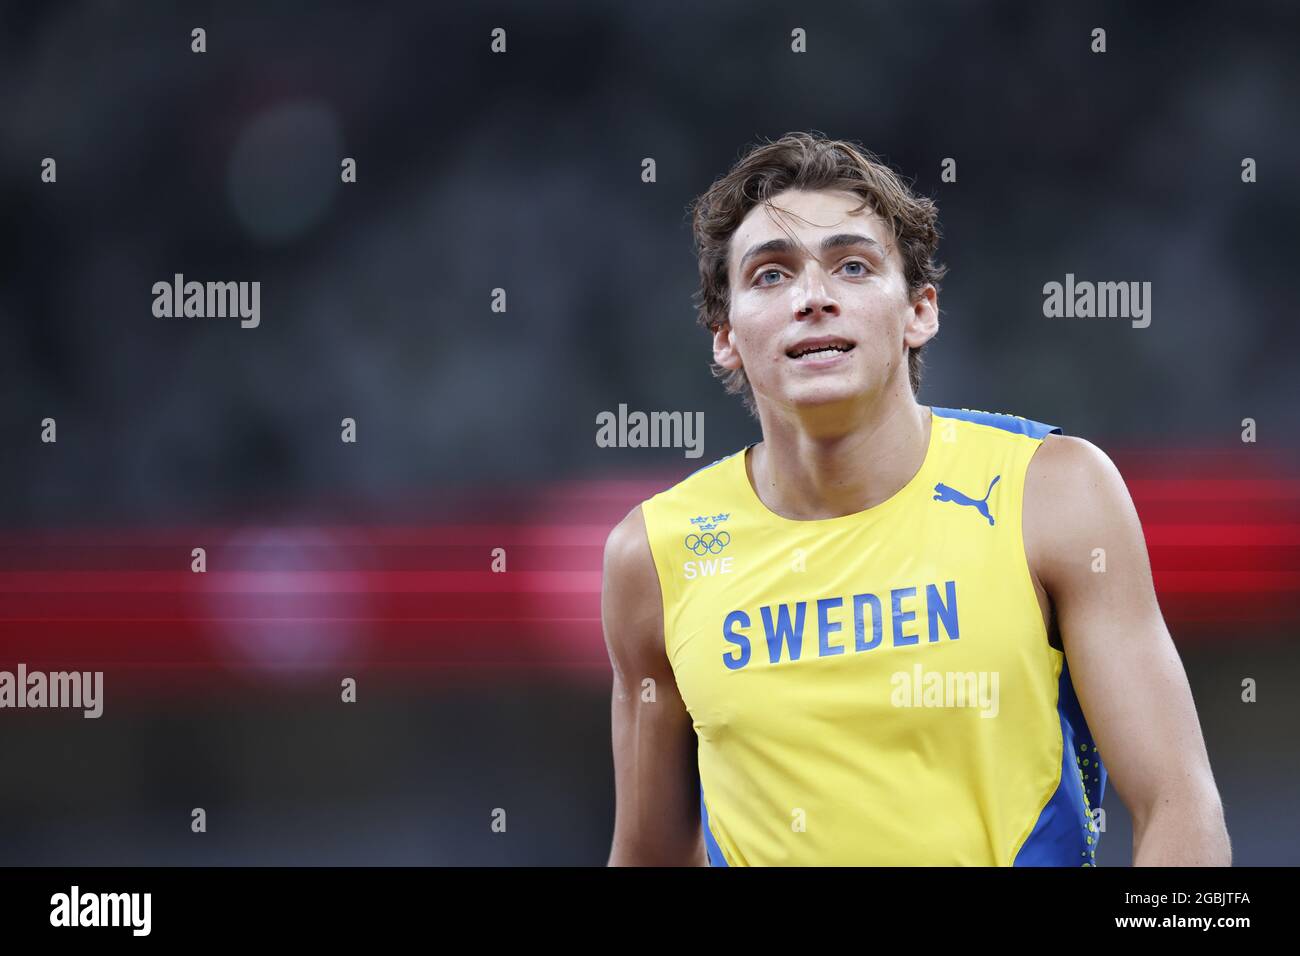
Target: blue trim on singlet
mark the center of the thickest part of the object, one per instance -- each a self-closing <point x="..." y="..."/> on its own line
<point x="1008" y="423"/>
<point x="1060" y="837"/>
<point x="715" y="852"/>
<point x="718" y="462"/>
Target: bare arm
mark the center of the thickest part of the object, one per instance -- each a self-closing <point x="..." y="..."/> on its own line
<point x="657" y="812"/>
<point x="1125" y="668"/>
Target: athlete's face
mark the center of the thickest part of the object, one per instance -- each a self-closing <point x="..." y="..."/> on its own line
<point x="813" y="275"/>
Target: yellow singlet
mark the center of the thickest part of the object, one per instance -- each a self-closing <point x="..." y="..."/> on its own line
<point x="877" y="688"/>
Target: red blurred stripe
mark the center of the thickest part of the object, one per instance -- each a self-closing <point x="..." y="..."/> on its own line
<point x="1224" y="544"/>
<point x="297" y="582"/>
<point x="1221" y="536"/>
<point x="1213" y="489"/>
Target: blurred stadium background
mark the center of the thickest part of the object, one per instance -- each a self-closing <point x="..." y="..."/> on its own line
<point x="476" y="430"/>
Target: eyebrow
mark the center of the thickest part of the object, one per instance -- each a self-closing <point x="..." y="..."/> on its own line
<point x="784" y="246"/>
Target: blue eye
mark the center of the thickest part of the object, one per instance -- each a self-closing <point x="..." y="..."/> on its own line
<point x="856" y="263"/>
<point x="767" y="272"/>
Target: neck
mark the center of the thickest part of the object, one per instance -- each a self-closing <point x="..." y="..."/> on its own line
<point x="805" y="469"/>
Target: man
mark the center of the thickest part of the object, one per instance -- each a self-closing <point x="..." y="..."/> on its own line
<point x="887" y="633"/>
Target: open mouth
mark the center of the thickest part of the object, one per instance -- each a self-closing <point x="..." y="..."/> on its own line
<point x="819" y="348"/>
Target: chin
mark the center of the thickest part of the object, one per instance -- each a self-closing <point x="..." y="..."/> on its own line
<point x="825" y="393"/>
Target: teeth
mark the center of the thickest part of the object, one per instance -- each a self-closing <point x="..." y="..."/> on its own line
<point x="821" y="348"/>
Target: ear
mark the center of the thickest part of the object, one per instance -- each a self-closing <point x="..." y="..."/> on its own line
<point x="923" y="323"/>
<point x="724" y="348"/>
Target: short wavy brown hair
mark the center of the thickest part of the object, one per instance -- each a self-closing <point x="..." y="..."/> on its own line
<point x="807" y="161"/>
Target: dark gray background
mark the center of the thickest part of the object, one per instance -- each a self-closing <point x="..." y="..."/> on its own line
<point x="523" y="171"/>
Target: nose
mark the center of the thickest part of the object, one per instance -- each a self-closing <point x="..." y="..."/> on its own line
<point x="811" y="296"/>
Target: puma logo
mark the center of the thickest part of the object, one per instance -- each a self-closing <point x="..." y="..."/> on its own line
<point x="944" y="493"/>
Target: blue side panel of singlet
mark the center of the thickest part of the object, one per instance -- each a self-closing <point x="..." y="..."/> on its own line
<point x="1065" y="833"/>
<point x="715" y="852"/>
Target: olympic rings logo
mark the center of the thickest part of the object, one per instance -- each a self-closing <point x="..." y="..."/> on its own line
<point x="708" y="543"/>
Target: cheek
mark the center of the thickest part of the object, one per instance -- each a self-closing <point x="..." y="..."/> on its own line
<point x="755" y="337"/>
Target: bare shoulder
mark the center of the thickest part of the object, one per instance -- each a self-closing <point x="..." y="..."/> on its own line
<point x="1065" y="457"/>
<point x="628" y="560"/>
<point x="1075" y="500"/>
<point x="631" y="603"/>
